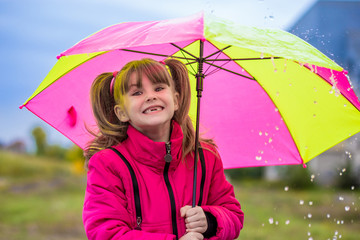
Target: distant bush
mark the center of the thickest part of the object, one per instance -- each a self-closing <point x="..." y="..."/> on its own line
<point x="296" y="177"/>
<point x="245" y="173"/>
<point x="40" y="140"/>
<point x="347" y="177"/>
<point x="55" y="151"/>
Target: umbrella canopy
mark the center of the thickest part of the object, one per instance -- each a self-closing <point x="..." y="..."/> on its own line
<point x="269" y="98"/>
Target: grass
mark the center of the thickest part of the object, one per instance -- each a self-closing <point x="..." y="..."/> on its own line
<point x="42" y="198"/>
<point x="271" y="212"/>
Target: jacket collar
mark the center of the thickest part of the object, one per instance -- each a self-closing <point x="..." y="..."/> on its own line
<point x="145" y="151"/>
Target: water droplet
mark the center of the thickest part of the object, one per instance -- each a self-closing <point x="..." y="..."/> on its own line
<point x="276" y="128"/>
<point x="310" y="203"/>
<point x="315" y="102"/>
<point x="266" y="134"/>
<point x="309" y="215"/>
<point x="328" y="215"/>
<point x="276" y="110"/>
<point x="287" y="222"/>
<point x="341" y="198"/>
<point x="312" y="177"/>
<point x="301" y="202"/>
<point x="271" y="220"/>
<point x="270" y="140"/>
<point x="343" y="170"/>
<point x="347" y="208"/>
<point x="314" y="115"/>
<point x="348" y="153"/>
<point x="345" y="105"/>
<point x="258" y="158"/>
<point x="273" y="62"/>
<point x="262" y="55"/>
<point x="260" y="133"/>
<point x="352" y="187"/>
<point x="286" y="188"/>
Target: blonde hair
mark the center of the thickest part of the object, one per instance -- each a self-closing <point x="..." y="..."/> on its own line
<point x="111" y="130"/>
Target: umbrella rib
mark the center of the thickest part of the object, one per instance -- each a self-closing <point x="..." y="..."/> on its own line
<point x="220" y="50"/>
<point x="243" y="59"/>
<point x="183" y="50"/>
<point x="156" y="54"/>
<point x="227" y="70"/>
<point x="216" y="69"/>
<point x="218" y="55"/>
<point x="188" y="62"/>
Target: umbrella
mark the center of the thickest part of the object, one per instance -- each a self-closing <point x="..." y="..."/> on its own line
<point x="267" y="97"/>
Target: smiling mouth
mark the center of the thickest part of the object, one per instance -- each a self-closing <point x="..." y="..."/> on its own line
<point x="153" y="109"/>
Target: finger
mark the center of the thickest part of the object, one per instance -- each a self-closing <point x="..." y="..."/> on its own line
<point x="194" y="236"/>
<point x="195" y="218"/>
<point x="198" y="230"/>
<point x="184" y="210"/>
<point x="195" y="213"/>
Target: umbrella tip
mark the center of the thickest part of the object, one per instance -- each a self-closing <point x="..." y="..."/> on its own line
<point x="59" y="56"/>
<point x="304" y="165"/>
<point x="21" y="107"/>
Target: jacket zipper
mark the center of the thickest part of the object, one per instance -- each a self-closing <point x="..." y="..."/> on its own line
<point x="168" y="159"/>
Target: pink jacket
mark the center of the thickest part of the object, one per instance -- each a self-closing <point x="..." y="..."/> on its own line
<point x="109" y="208"/>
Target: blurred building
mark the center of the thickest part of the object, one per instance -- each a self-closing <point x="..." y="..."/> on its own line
<point x="333" y="27"/>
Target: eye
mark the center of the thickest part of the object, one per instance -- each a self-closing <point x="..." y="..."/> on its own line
<point x="158" y="89"/>
<point x="136" y="93"/>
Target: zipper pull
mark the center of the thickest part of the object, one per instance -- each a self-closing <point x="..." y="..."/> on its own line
<point x="168" y="156"/>
<point x="138" y="222"/>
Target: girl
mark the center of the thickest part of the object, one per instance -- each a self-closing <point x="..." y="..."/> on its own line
<point x="142" y="187"/>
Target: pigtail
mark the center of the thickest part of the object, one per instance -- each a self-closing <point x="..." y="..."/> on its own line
<point x="111" y="130"/>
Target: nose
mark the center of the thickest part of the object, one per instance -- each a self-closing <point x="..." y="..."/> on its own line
<point x="150" y="97"/>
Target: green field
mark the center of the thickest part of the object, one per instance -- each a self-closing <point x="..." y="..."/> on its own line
<point x="42" y="198"/>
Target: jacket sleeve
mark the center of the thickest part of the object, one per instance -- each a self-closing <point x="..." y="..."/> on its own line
<point x="223" y="205"/>
<point x="105" y="213"/>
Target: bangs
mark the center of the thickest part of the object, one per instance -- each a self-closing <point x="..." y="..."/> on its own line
<point x="154" y="71"/>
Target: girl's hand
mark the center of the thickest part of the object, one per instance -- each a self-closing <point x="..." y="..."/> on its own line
<point x="192" y="236"/>
<point x="195" y="219"/>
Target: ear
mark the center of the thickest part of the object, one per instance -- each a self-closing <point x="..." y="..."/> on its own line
<point x="121" y="113"/>
<point x="176" y="101"/>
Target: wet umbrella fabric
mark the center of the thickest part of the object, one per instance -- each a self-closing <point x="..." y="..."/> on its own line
<point x="268" y="98"/>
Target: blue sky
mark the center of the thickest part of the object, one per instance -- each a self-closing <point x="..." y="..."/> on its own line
<point x="33" y="33"/>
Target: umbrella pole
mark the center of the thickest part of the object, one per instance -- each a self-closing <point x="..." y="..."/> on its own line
<point x="199" y="88"/>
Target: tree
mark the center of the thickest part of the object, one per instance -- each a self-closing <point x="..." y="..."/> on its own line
<point x="40" y="139"/>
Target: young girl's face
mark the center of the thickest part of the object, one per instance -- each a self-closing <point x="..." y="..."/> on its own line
<point x="149" y="107"/>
